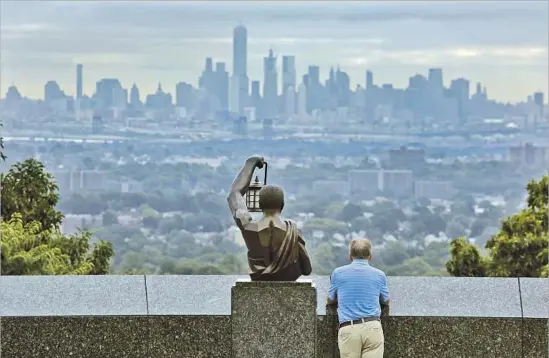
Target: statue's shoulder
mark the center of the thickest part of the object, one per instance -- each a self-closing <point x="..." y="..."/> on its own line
<point x="292" y="223"/>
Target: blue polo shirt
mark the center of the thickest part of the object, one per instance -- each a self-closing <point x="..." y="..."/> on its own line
<point x="358" y="288"/>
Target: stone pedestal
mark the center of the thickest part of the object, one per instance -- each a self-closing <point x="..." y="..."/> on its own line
<point x="273" y="319"/>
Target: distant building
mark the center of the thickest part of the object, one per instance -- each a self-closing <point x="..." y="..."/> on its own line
<point x="302" y="100"/>
<point x="110" y="94"/>
<point x="72" y="223"/>
<point x="364" y="183"/>
<point x="529" y="155"/>
<point x="79" y="180"/>
<point x="288" y="73"/>
<point x="234" y="95"/>
<point x="185" y="96"/>
<point x="240" y="69"/>
<point x="250" y="114"/>
<point x="79" y="79"/>
<point x="270" y="86"/>
<point x="97" y="124"/>
<point x="240" y="126"/>
<point x="398" y="183"/>
<point x="433" y="189"/>
<point x="52" y="92"/>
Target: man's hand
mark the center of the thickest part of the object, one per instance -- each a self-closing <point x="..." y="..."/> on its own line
<point x="256" y="160"/>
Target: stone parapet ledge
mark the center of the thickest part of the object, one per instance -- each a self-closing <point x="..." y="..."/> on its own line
<point x="190" y="316"/>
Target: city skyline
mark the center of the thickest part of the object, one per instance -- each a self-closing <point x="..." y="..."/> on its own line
<point x="512" y="64"/>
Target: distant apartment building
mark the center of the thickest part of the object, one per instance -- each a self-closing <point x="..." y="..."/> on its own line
<point x="79" y="180"/>
<point x="72" y="223"/>
<point x="434" y="189"/>
<point x="529" y="155"/>
<point x="366" y="183"/>
<point x="398" y="183"/>
<point x="330" y="187"/>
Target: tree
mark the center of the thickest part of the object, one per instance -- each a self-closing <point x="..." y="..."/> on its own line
<point x="2" y="156"/>
<point x="29" y="190"/>
<point x="350" y="211"/>
<point x="415" y="266"/>
<point x="394" y="253"/>
<point x="29" y="250"/>
<point x="518" y="250"/>
<point x="110" y="218"/>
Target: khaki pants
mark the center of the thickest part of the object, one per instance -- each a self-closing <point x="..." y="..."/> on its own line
<point x="364" y="340"/>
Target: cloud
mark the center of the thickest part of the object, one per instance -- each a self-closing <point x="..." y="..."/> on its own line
<point x="459" y="55"/>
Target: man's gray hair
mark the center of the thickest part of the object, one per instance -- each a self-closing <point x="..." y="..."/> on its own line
<point x="360" y="248"/>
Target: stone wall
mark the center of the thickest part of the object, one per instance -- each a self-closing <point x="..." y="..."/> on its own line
<point x="190" y="316"/>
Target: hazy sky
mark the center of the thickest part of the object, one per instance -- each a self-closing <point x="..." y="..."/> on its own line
<point x="502" y="44"/>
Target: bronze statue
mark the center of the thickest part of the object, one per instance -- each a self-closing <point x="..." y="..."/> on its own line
<point x="276" y="249"/>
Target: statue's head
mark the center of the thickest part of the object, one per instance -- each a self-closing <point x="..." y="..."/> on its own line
<point x="271" y="198"/>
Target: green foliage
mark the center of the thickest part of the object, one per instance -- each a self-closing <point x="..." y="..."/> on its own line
<point x="29" y="190"/>
<point x="29" y="250"/>
<point x="415" y="266"/>
<point x="2" y="156"/>
<point x="519" y="249"/>
<point x="466" y="260"/>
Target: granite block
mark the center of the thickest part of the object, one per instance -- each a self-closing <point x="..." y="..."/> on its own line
<point x="326" y="341"/>
<point x="444" y="296"/>
<point x="190" y="294"/>
<point x="454" y="297"/>
<point x="535" y="297"/>
<point x="190" y="336"/>
<point x="453" y="337"/>
<point x="273" y="319"/>
<point x="72" y="295"/>
<point x="535" y="338"/>
<point x="62" y="337"/>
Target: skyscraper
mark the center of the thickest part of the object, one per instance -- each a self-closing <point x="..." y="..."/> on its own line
<point x="459" y="91"/>
<point x="255" y="97"/>
<point x="234" y="94"/>
<point x="52" y="91"/>
<point x="270" y="86"/>
<point x="135" y="99"/>
<point x="222" y="85"/>
<point x="79" y="75"/>
<point x="240" y="50"/>
<point x="436" y="84"/>
<point x="288" y="73"/>
<point x="240" y="54"/>
<point x="302" y="100"/>
<point x="369" y="80"/>
<point x="289" y="101"/>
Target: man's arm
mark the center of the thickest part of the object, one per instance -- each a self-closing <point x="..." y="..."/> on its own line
<point x="240" y="186"/>
<point x="332" y="291"/>
<point x="384" y="292"/>
<point x="304" y="259"/>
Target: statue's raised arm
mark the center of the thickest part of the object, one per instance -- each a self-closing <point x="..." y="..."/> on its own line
<point x="276" y="249"/>
<point x="240" y="186"/>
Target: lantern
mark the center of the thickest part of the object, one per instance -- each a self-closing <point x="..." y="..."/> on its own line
<point x="252" y="196"/>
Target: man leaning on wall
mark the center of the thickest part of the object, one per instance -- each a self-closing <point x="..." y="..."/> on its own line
<point x="359" y="291"/>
